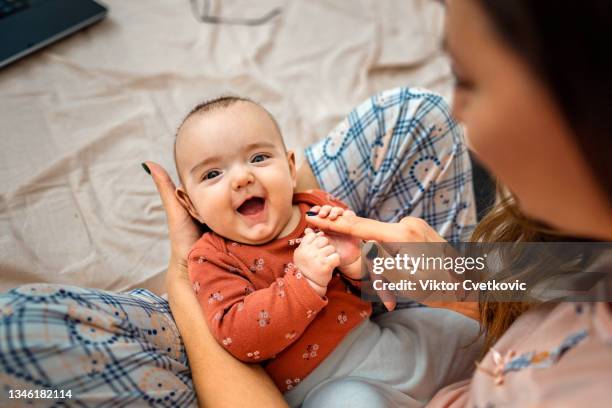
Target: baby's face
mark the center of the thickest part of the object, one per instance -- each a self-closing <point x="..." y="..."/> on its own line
<point x="237" y="176"/>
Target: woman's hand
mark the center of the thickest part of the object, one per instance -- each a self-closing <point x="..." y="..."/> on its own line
<point x="182" y="229"/>
<point x="216" y="373"/>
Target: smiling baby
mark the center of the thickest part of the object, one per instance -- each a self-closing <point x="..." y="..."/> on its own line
<point x="271" y="288"/>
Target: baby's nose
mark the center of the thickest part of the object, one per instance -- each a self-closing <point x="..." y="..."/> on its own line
<point x="242" y="180"/>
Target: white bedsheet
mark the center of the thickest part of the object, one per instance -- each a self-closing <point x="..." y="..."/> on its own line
<point x="79" y="117"/>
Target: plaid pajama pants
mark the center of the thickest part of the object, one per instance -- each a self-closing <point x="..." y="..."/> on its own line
<point x="399" y="153"/>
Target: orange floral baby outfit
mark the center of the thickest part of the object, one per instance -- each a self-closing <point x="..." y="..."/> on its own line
<point x="261" y="308"/>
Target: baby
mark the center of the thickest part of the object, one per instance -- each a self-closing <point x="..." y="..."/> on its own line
<point x="266" y="282"/>
<point x="277" y="293"/>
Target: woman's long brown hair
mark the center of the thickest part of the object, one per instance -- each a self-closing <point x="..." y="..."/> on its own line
<point x="561" y="41"/>
<point x="505" y="223"/>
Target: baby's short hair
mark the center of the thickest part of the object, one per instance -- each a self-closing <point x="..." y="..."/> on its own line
<point x="215" y="103"/>
<point x="220" y="102"/>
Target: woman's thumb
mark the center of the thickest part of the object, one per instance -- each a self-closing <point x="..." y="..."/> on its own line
<point x="163" y="183"/>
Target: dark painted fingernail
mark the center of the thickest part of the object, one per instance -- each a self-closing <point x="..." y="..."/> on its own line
<point x="146" y="168"/>
<point x="372" y="252"/>
<point x="311" y="213"/>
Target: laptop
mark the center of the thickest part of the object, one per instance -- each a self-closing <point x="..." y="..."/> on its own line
<point x="28" y="25"/>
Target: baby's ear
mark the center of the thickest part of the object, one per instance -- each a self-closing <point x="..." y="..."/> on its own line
<point x="183" y="198"/>
<point x="292" y="168"/>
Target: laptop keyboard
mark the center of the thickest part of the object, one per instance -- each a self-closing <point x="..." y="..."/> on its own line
<point x="8" y="7"/>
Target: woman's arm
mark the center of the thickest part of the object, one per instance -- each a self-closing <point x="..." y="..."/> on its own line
<point x="408" y="229"/>
<point x="219" y="379"/>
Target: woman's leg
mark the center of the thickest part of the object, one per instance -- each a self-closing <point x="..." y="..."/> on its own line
<point x="357" y="392"/>
<point x="106" y="349"/>
<point x="400" y="153"/>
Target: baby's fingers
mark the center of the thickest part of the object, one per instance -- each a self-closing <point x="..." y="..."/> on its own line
<point x="341" y="225"/>
<point x="335" y="213"/>
<point x="328" y="250"/>
<point x="334" y="259"/>
<point x="315" y="209"/>
<point x="321" y="241"/>
<point x="309" y="236"/>
<point x="324" y="211"/>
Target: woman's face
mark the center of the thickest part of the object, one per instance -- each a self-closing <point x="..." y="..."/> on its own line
<point x="517" y="131"/>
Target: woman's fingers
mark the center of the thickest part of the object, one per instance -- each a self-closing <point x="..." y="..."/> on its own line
<point x="390" y="305"/>
<point x="339" y="225"/>
<point x="355" y="226"/>
<point x="182" y="229"/>
<point x="388" y="297"/>
<point x="373" y="250"/>
<point x="409" y="229"/>
<point x="165" y="187"/>
<point x="416" y="229"/>
<point x="325" y="210"/>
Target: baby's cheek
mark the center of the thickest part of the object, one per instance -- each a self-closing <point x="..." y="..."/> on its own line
<point x="210" y="212"/>
<point x="280" y="180"/>
<point x="282" y="204"/>
<point x="216" y="212"/>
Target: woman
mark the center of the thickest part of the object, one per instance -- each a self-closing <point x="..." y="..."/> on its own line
<point x="533" y="91"/>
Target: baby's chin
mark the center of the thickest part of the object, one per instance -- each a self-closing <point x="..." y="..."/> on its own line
<point x="258" y="235"/>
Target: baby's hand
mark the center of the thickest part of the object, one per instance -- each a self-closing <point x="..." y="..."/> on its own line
<point x="348" y="247"/>
<point x="316" y="259"/>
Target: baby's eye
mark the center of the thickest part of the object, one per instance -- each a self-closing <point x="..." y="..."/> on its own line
<point x="259" y="158"/>
<point x="211" y="175"/>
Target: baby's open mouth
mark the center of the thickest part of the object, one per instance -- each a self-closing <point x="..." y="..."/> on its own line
<point x="252" y="206"/>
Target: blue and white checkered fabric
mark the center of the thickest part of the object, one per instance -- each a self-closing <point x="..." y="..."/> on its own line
<point x="400" y="153"/>
<point x="108" y="349"/>
<point x="397" y="154"/>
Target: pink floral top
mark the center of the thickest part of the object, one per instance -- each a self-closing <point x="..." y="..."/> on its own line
<point x="554" y="356"/>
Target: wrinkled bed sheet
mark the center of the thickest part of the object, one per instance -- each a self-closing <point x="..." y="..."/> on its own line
<point x="79" y="117"/>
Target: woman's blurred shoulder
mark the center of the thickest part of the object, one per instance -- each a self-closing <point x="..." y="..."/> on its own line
<point x="553" y="356"/>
